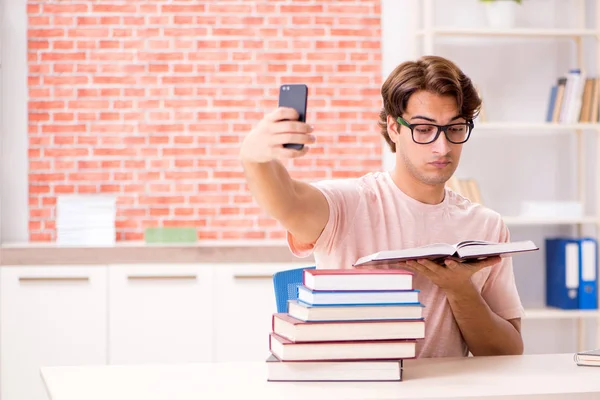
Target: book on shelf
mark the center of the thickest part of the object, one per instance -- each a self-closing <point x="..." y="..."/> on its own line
<point x="467" y="187"/>
<point x="334" y="371"/>
<point x="463" y="251"/>
<point x="359" y="312"/>
<point x="588" y="358"/>
<point x="574" y="98"/>
<point x="296" y="330"/>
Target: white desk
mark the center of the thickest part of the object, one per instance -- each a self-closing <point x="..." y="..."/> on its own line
<point x="550" y="376"/>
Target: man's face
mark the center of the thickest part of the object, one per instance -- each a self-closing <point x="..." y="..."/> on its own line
<point x="432" y="163"/>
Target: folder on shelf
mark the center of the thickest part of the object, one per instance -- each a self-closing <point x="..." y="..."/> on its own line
<point x="588" y="286"/>
<point x="562" y="273"/>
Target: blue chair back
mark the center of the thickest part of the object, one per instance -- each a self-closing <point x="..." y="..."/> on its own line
<point x="286" y="285"/>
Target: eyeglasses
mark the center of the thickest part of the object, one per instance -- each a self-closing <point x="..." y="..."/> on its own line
<point x="428" y="133"/>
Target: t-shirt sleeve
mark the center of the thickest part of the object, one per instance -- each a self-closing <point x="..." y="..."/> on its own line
<point x="343" y="198"/>
<point x="500" y="291"/>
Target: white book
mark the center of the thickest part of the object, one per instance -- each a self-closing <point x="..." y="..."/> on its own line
<point x="333" y="371"/>
<point x="463" y="251"/>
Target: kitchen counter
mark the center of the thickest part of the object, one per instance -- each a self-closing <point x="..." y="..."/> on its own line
<point x="141" y="253"/>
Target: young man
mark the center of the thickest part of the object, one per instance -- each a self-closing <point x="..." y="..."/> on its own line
<point x="428" y="108"/>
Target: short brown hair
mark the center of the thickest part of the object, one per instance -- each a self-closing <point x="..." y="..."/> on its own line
<point x="430" y="73"/>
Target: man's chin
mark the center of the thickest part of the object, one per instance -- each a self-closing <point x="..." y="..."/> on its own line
<point x="437" y="179"/>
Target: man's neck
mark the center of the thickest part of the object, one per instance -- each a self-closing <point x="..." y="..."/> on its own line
<point x="428" y="194"/>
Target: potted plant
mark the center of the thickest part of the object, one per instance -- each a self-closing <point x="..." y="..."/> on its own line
<point x="501" y="14"/>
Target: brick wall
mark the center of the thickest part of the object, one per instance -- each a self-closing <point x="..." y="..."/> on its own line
<point x="149" y="100"/>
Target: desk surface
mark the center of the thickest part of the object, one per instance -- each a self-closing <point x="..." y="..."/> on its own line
<point x="547" y="376"/>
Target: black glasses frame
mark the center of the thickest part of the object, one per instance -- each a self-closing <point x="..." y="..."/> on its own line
<point x="440" y="128"/>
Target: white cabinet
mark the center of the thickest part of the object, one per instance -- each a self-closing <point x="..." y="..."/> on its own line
<point x="244" y="305"/>
<point x="49" y="316"/>
<point x="160" y="314"/>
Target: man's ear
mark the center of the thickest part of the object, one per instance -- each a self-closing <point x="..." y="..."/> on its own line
<point x="393" y="129"/>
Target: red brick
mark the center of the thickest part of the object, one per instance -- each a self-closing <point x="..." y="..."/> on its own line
<point x="186" y="82"/>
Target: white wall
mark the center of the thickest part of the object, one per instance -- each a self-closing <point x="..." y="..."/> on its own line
<point x="514" y="76"/>
<point x="13" y="124"/>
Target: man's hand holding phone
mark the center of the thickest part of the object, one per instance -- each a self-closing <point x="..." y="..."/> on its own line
<point x="266" y="141"/>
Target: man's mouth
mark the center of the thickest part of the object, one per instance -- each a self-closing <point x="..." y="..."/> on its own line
<point x="440" y="164"/>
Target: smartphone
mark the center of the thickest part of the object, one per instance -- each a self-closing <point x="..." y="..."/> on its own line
<point x="294" y="96"/>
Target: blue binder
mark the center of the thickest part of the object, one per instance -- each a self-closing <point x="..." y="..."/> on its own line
<point x="562" y="273"/>
<point x="588" y="286"/>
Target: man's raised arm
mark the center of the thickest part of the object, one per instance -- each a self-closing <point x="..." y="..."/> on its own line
<point x="298" y="206"/>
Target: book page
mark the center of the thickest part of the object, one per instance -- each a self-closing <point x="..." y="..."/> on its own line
<point x="466" y="243"/>
<point x="427" y="251"/>
<point x="422" y="251"/>
<point x="493" y="249"/>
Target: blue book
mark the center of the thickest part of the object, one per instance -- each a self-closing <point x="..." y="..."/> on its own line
<point x="381" y="297"/>
<point x="562" y="273"/>
<point x="588" y="286"/>
<point x="551" y="103"/>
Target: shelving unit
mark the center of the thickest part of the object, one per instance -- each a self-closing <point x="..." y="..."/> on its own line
<point x="555" y="313"/>
<point x="430" y="33"/>
<point x="515" y="32"/>
<point x="530" y="221"/>
<point x="535" y="127"/>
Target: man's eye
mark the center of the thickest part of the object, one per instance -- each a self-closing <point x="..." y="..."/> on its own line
<point x="424" y="129"/>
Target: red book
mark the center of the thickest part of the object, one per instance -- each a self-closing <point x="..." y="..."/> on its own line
<point x="286" y="350"/>
<point x="297" y="331"/>
<point x="357" y="279"/>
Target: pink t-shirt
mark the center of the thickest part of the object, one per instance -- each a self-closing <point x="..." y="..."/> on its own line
<point x="370" y="214"/>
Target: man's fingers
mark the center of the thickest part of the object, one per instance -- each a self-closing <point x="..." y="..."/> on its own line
<point x="452" y="265"/>
<point x="291" y="127"/>
<point x="430" y="265"/>
<point x="283" y="113"/>
<point x="284" y="152"/>
<point x="487" y="262"/>
<point x="283" y="138"/>
<point x="419" y="268"/>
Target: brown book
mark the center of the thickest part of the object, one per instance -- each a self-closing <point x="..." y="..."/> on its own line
<point x="586" y="101"/>
<point x="455" y="185"/>
<point x="474" y="193"/>
<point x="560" y="96"/>
<point x="595" y="105"/>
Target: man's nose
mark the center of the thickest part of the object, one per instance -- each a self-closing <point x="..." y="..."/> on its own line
<point x="441" y="144"/>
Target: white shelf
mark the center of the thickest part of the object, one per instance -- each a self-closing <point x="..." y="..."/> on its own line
<point x="555" y="313"/>
<point x="518" y="32"/>
<point x="517" y="220"/>
<point x="518" y="127"/>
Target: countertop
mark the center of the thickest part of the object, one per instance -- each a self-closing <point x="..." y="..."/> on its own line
<point x="547" y="376"/>
<point x="218" y="251"/>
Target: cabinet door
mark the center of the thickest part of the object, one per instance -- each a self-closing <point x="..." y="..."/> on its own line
<point x="49" y="316"/>
<point x="160" y="314"/>
<point x="245" y="304"/>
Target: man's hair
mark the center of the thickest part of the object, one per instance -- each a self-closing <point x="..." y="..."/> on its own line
<point x="432" y="74"/>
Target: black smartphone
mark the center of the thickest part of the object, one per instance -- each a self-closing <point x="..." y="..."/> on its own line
<point x="294" y="96"/>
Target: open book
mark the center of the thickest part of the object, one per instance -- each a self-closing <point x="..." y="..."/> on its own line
<point x="468" y="250"/>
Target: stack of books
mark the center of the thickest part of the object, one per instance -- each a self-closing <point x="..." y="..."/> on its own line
<point x="590" y="358"/>
<point x="347" y="325"/>
<point x="86" y="220"/>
